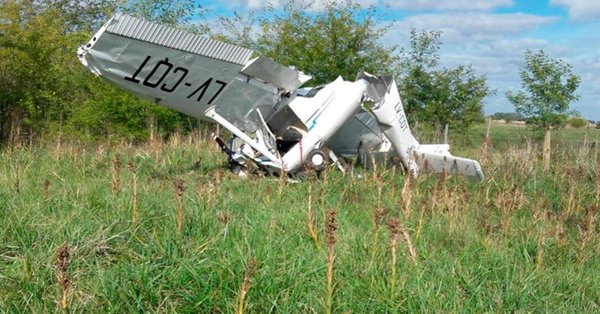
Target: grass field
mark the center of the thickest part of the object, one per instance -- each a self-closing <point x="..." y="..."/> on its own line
<point x="164" y="227"/>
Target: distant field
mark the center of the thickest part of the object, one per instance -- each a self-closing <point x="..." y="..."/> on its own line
<point x="173" y="231"/>
<point x="505" y="135"/>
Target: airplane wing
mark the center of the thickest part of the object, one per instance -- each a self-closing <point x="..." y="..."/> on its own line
<point x="186" y="72"/>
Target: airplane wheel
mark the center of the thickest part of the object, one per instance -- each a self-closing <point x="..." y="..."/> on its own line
<point x="317" y="160"/>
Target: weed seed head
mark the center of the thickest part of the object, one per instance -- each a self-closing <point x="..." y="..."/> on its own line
<point x="378" y="216"/>
<point x="46" y="188"/>
<point x="62" y="264"/>
<point x="331" y="227"/>
<point x="394" y="226"/>
<point x="179" y="186"/>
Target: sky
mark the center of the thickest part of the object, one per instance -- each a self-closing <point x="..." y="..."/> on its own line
<point x="492" y="36"/>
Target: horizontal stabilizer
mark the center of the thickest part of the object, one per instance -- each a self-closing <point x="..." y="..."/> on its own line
<point x="438" y="163"/>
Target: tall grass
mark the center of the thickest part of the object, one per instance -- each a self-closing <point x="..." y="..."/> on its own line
<point x="522" y="241"/>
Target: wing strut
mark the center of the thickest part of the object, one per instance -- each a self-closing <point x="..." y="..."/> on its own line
<point x="211" y="113"/>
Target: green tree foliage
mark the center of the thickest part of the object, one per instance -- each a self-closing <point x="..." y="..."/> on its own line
<point x="418" y="65"/>
<point x="548" y="87"/>
<point x="110" y="112"/>
<point x="439" y="96"/>
<point x="456" y="98"/>
<point x="339" y="39"/>
<point x="578" y="122"/>
<point x="44" y="89"/>
<point x="37" y="70"/>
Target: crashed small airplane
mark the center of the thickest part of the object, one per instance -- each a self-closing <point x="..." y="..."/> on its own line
<point x="276" y="123"/>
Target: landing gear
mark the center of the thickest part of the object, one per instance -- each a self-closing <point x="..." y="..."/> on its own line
<point x="235" y="163"/>
<point x="316" y="159"/>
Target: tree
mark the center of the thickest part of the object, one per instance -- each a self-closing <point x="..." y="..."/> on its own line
<point x="338" y="39"/>
<point x="37" y="73"/>
<point x="548" y="88"/>
<point x="439" y="96"/>
<point x="456" y="98"/>
<point x="577" y="122"/>
<point x="418" y="65"/>
<point x="44" y="90"/>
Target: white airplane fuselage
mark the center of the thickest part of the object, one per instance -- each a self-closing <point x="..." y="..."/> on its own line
<point x="323" y="115"/>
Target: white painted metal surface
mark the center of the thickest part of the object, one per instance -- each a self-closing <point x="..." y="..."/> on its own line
<point x="334" y="109"/>
<point x="272" y="72"/>
<point x="170" y="37"/>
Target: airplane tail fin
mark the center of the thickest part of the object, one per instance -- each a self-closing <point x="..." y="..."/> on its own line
<point x="387" y="109"/>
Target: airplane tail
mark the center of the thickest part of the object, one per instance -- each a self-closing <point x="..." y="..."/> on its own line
<point x="446" y="163"/>
<point x="387" y="108"/>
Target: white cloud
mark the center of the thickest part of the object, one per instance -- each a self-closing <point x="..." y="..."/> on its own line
<point x="318" y="5"/>
<point x="448" y="4"/>
<point x="257" y="4"/>
<point x="310" y="5"/>
<point x="476" y="26"/>
<point x="580" y="9"/>
<point x="502" y="60"/>
<point x="494" y="44"/>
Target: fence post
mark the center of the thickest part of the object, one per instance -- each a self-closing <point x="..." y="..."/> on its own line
<point x="547" y="150"/>
<point x="486" y="143"/>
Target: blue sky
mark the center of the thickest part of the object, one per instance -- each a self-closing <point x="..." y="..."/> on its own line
<point x="492" y="36"/>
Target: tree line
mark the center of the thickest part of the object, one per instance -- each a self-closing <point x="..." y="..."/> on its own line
<point x="45" y="92"/>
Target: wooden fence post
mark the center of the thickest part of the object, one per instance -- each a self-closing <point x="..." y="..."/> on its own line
<point x="547" y="150"/>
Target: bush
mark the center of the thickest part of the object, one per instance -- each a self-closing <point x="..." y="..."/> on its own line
<point x="578" y="122"/>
